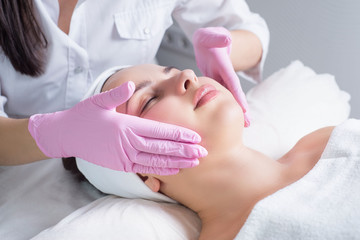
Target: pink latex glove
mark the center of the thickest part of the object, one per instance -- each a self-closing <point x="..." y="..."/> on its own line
<point x="212" y="47"/>
<point x="94" y="131"/>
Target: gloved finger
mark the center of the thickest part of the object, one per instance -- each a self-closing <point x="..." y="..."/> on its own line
<point x="153" y="170"/>
<point x="114" y="97"/>
<point x="163" y="161"/>
<point x="241" y="99"/>
<point x="246" y="120"/>
<point x="211" y="39"/>
<point x="166" y="147"/>
<point x="158" y="130"/>
<point x="228" y="75"/>
<point x="232" y="82"/>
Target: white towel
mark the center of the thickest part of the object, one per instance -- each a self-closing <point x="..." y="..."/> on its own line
<point x="324" y="204"/>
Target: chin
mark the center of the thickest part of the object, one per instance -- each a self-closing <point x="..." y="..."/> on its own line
<point x="228" y="113"/>
<point x="224" y="123"/>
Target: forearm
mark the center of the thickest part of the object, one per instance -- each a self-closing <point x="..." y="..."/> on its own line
<point x="16" y="144"/>
<point x="246" y="50"/>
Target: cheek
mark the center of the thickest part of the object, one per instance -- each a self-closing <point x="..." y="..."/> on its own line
<point x="172" y="111"/>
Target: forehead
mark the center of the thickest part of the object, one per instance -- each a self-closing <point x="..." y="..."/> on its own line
<point x="136" y="74"/>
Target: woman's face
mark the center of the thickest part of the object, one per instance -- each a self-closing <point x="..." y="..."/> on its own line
<point x="201" y="104"/>
<point x="177" y="97"/>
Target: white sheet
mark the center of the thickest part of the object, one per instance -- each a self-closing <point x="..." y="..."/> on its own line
<point x="36" y="196"/>
<point x="324" y="204"/>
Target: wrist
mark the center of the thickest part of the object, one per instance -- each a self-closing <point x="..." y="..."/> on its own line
<point x="246" y="50"/>
<point x="39" y="126"/>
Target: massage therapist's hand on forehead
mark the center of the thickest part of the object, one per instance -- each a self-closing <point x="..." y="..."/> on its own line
<point x="92" y="129"/>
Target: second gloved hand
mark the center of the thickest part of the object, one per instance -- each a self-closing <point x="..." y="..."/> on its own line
<point x="212" y="48"/>
<point x="95" y="132"/>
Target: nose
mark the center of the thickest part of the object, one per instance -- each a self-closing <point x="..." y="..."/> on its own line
<point x="185" y="80"/>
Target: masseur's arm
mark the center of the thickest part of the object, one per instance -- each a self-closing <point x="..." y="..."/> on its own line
<point x="94" y="131"/>
<point x="246" y="50"/>
<point x="16" y="144"/>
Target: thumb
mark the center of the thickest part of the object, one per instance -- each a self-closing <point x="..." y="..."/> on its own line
<point x="114" y="97"/>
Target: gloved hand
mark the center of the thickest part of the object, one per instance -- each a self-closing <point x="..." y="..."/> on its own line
<point x="94" y="131"/>
<point x="212" y="47"/>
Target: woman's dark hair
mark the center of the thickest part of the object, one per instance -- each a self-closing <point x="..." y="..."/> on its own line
<point x="21" y="37"/>
<point x="70" y="165"/>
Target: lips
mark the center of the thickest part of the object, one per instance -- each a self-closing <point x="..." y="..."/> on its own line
<point x="204" y="94"/>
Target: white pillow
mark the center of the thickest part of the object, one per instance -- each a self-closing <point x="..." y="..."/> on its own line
<point x="291" y="103"/>
<point x="112" y="217"/>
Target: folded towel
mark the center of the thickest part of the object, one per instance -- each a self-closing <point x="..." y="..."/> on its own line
<point x="324" y="204"/>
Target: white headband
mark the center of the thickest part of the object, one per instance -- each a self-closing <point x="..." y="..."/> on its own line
<point x="123" y="184"/>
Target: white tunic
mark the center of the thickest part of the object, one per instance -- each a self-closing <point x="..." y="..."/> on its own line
<point x="107" y="33"/>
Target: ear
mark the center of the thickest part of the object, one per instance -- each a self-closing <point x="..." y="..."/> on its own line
<point x="152" y="182"/>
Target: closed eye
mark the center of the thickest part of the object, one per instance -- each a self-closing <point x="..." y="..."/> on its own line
<point x="146" y="105"/>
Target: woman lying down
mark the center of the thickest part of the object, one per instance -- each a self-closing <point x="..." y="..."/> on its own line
<point x="236" y="189"/>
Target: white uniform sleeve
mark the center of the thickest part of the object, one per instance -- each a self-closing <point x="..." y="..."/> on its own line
<point x="3" y="100"/>
<point x="231" y="14"/>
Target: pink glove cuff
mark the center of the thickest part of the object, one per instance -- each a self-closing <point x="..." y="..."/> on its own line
<point x="34" y="122"/>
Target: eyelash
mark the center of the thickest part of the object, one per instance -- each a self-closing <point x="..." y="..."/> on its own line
<point x="147" y="104"/>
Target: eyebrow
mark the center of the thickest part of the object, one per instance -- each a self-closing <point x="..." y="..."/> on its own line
<point x="143" y="84"/>
<point x="168" y="69"/>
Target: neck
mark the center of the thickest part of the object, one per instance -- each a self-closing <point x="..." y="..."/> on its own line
<point x="247" y="181"/>
<point x="260" y="177"/>
<point x="226" y="185"/>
